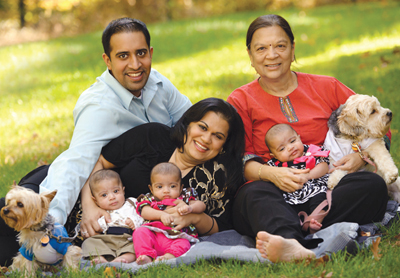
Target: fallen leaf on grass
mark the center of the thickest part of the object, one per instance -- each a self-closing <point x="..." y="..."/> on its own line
<point x="380" y="89"/>
<point x="41" y="162"/>
<point x="322" y="260"/>
<point x="365" y="233"/>
<point x="375" y="249"/>
<point x="319" y="261"/>
<point x="3" y="270"/>
<point x="365" y="55"/>
<point x="110" y="272"/>
<point x="396" y="50"/>
<point x="384" y="62"/>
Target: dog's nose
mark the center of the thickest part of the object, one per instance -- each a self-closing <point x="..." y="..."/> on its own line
<point x="389" y="114"/>
<point x="5" y="211"/>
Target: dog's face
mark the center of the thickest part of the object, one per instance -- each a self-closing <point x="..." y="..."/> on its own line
<point x="363" y="117"/>
<point x="24" y="208"/>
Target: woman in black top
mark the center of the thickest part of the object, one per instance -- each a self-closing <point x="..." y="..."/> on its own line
<point x="207" y="145"/>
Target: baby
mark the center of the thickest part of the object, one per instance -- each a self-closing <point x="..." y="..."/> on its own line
<point x="156" y="238"/>
<point x="115" y="243"/>
<point x="287" y="150"/>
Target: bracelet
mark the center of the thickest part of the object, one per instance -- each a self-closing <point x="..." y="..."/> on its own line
<point x="259" y="172"/>
<point x="212" y="226"/>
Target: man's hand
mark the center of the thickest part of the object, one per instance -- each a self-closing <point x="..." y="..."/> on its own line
<point x="89" y="223"/>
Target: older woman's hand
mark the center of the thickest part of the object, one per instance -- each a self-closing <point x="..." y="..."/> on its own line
<point x="350" y="163"/>
<point x="90" y="215"/>
<point x="288" y="179"/>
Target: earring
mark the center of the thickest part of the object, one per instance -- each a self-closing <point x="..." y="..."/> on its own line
<point x="221" y="151"/>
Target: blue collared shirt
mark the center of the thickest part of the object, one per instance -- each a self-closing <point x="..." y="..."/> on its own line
<point x="103" y="112"/>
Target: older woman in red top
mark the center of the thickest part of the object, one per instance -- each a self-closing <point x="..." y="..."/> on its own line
<point x="304" y="101"/>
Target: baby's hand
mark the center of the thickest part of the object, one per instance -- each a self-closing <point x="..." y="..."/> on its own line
<point x="167" y="219"/>
<point x="186" y="209"/>
<point x="130" y="223"/>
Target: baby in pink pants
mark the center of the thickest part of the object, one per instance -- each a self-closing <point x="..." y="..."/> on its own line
<point x="156" y="238"/>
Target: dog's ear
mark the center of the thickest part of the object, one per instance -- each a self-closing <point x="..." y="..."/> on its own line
<point x="332" y="121"/>
<point x="350" y="127"/>
<point x="48" y="196"/>
<point x="14" y="185"/>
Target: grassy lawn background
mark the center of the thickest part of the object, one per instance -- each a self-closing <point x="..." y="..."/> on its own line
<point x="359" y="44"/>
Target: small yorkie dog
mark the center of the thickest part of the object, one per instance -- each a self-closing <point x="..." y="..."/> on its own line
<point x="44" y="243"/>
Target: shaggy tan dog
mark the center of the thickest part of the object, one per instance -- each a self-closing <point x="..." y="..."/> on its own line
<point x="363" y="121"/>
<point x="40" y="237"/>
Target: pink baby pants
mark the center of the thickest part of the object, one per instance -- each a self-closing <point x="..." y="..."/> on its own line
<point x="153" y="244"/>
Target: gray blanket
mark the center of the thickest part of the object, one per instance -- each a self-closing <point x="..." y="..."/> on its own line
<point x="231" y="245"/>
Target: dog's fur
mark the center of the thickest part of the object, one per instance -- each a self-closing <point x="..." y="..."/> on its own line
<point x="362" y="117"/>
<point x="27" y="213"/>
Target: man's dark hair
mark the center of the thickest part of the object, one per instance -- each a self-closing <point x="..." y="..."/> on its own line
<point x="120" y="25"/>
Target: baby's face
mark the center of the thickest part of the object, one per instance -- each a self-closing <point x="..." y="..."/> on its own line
<point x="166" y="186"/>
<point x="109" y="194"/>
<point x="286" y="146"/>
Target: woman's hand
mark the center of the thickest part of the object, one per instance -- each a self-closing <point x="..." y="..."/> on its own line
<point x="288" y="179"/>
<point x="350" y="163"/>
<point x="90" y="215"/>
<point x="181" y="221"/>
<point x="167" y="219"/>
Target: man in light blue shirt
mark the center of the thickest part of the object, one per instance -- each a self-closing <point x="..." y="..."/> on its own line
<point x="129" y="93"/>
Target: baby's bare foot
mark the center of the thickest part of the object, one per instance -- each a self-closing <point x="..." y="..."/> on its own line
<point x="276" y="248"/>
<point x="314" y="226"/>
<point x="98" y="260"/>
<point x="125" y="258"/>
<point x="166" y="256"/>
<point x="143" y="259"/>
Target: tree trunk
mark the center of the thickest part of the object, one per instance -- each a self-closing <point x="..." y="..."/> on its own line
<point x="21" y="8"/>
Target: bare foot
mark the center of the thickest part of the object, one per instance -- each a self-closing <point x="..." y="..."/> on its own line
<point x="98" y="260"/>
<point x="314" y="226"/>
<point x="125" y="258"/>
<point x="166" y="256"/>
<point x="143" y="259"/>
<point x="276" y="248"/>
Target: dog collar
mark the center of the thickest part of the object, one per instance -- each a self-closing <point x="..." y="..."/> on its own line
<point x="357" y="148"/>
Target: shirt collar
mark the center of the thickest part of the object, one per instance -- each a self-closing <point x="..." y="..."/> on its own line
<point x="124" y="94"/>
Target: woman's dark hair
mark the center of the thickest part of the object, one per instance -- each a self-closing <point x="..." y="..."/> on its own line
<point x="234" y="145"/>
<point x="268" y="20"/>
<point x="120" y="25"/>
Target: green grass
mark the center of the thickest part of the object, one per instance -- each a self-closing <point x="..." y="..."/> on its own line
<point x="359" y="44"/>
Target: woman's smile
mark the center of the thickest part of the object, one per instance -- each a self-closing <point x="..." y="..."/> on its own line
<point x="205" y="138"/>
<point x="200" y="147"/>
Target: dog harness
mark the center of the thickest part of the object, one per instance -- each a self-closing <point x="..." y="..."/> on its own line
<point x="51" y="253"/>
<point x="340" y="147"/>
